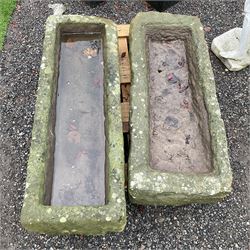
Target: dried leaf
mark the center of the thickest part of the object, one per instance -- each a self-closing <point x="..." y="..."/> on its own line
<point x="89" y="52"/>
<point x="72" y="127"/>
<point x="74" y="137"/>
<point x="70" y="43"/>
<point x="81" y="155"/>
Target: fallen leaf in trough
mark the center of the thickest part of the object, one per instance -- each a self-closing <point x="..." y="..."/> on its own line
<point x="182" y="89"/>
<point x="182" y="62"/>
<point x="185" y="104"/>
<point x="89" y="52"/>
<point x="72" y="127"/>
<point x="82" y="154"/>
<point x="74" y="137"/>
<point x="172" y="78"/>
<point x="70" y="43"/>
<point x="187" y="139"/>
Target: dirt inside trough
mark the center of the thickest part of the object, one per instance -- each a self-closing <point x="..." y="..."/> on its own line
<point x="79" y="154"/>
<point x="177" y="116"/>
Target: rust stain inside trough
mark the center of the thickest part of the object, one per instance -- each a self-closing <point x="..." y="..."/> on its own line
<point x="179" y="134"/>
<point x="79" y="145"/>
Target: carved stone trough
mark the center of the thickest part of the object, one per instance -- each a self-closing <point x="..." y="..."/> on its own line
<point x="178" y="151"/>
<point x="75" y="181"/>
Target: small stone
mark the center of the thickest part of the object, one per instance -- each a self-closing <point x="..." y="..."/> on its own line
<point x="63" y="219"/>
<point x="161" y="220"/>
<point x="108" y="218"/>
<point x="58" y="9"/>
<point x="171" y="121"/>
<point x="165" y="92"/>
<point x="49" y="210"/>
<point x="207" y="29"/>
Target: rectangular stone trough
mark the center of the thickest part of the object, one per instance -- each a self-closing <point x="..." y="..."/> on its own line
<point x="178" y="151"/>
<point x="75" y="180"/>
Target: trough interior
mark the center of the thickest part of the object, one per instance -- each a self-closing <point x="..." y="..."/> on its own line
<point x="179" y="134"/>
<point x="76" y="174"/>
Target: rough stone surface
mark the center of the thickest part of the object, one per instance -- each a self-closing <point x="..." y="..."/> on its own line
<point x="58" y="9"/>
<point x="226" y="42"/>
<point x="178" y="120"/>
<point x="224" y="225"/>
<point x="148" y="186"/>
<point x="100" y="219"/>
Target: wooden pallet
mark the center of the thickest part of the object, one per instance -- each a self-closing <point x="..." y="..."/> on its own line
<point x="125" y="73"/>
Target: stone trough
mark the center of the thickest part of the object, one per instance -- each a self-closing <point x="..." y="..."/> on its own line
<point x="75" y="181"/>
<point x="178" y="151"/>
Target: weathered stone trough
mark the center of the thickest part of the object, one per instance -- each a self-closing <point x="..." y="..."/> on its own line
<point x="75" y="181"/>
<point x="178" y="151"/>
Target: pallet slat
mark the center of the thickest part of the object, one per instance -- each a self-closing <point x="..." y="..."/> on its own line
<point x="123" y="30"/>
<point x="125" y="88"/>
<point x="124" y="61"/>
<point x="125" y="111"/>
<point x="125" y="74"/>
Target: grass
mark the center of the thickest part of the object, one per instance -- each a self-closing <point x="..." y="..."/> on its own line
<point x="6" y="9"/>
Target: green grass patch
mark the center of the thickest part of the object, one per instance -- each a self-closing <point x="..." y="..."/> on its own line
<point x="6" y="9"/>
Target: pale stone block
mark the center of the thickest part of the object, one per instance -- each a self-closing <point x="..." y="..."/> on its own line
<point x="230" y="41"/>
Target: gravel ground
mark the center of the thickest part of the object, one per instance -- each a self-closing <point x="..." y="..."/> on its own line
<point x="221" y="226"/>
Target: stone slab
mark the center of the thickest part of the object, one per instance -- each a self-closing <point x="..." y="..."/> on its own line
<point x="100" y="219"/>
<point x="147" y="185"/>
<point x="229" y="41"/>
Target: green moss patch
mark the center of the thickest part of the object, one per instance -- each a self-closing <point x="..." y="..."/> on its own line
<point x="6" y="9"/>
